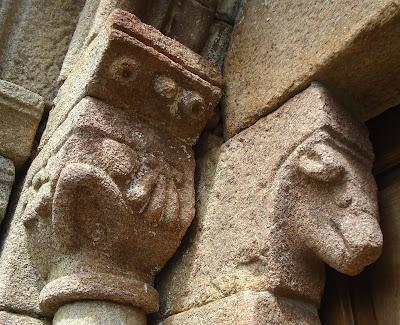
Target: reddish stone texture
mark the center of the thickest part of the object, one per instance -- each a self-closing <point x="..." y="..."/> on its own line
<point x="110" y="195"/>
<point x="129" y="57"/>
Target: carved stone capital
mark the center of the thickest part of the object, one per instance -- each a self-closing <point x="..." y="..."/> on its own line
<point x="111" y="193"/>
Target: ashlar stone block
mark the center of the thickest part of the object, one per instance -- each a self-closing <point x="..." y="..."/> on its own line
<point x="280" y="46"/>
<point x="290" y="193"/>
<point x="8" y="318"/>
<point x="20" y="111"/>
<point x="34" y="38"/>
<point x="7" y="176"/>
<point x="248" y="308"/>
<point x="190" y="22"/>
<point x="217" y="43"/>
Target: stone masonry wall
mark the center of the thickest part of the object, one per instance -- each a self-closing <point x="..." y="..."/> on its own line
<point x="187" y="161"/>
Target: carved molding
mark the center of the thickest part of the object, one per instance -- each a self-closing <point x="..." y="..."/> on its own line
<point x="174" y="88"/>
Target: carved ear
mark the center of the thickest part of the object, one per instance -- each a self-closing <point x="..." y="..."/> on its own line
<point x="321" y="164"/>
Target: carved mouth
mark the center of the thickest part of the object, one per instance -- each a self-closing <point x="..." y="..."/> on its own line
<point x="354" y="257"/>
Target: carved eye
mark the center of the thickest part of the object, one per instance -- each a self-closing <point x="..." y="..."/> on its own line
<point x="192" y="103"/>
<point x="320" y="163"/>
<point x="124" y="70"/>
<point x="165" y="87"/>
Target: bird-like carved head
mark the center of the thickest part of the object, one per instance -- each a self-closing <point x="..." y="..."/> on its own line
<point x="110" y="202"/>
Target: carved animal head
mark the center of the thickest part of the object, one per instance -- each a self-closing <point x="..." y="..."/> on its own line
<point x="333" y="205"/>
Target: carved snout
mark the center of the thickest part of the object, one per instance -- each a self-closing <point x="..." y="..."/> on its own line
<point x="363" y="242"/>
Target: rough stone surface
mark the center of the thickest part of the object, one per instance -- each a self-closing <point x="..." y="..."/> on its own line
<point x="228" y="9"/>
<point x="110" y="194"/>
<point x="217" y="43"/>
<point x="248" y="308"/>
<point x="7" y="318"/>
<point x="20" y="114"/>
<point x="7" y="176"/>
<point x="190" y="22"/>
<point x="291" y="192"/>
<point x="30" y="55"/>
<point x="98" y="313"/>
<point x="131" y="57"/>
<point x="93" y="16"/>
<point x="156" y="13"/>
<point x="280" y="46"/>
<point x="144" y="176"/>
<point x="141" y="174"/>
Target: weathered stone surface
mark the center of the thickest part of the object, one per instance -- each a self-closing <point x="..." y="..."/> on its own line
<point x="93" y="16"/>
<point x="248" y="308"/>
<point x="96" y="313"/>
<point x="110" y="194"/>
<point x="7" y="318"/>
<point x="157" y="13"/>
<point x="19" y="281"/>
<point x="88" y="168"/>
<point x="131" y="57"/>
<point x="217" y="43"/>
<point x="280" y="46"/>
<point x="20" y="114"/>
<point x="228" y="9"/>
<point x="7" y="176"/>
<point x="189" y="23"/>
<point x="291" y="192"/>
<point x="211" y="4"/>
<point x="30" y="55"/>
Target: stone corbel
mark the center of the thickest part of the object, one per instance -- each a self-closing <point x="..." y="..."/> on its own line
<point x="112" y="189"/>
<point x="292" y="192"/>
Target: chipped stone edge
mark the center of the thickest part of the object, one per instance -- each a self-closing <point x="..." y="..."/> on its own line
<point x="21" y="100"/>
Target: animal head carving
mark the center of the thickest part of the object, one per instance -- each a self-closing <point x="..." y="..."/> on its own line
<point x="333" y="203"/>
